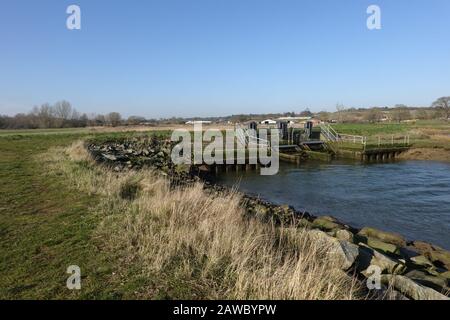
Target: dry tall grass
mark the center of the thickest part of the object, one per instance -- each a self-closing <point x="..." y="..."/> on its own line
<point x="203" y="241"/>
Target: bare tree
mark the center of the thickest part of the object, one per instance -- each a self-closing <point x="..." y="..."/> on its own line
<point x="99" y="120"/>
<point x="113" y="119"/>
<point x="75" y="115"/>
<point x="422" y="114"/>
<point x="373" y="115"/>
<point x="44" y="115"/>
<point x="443" y="104"/>
<point x="324" y="116"/>
<point x="83" y="120"/>
<point x="340" y="108"/>
<point x="134" y="120"/>
<point x="306" y="113"/>
<point x="63" y="110"/>
<point x="400" y="113"/>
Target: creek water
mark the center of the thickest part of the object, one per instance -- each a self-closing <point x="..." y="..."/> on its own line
<point x="408" y="197"/>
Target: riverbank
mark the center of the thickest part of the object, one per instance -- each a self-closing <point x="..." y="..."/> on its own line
<point x="427" y="154"/>
<point x="60" y="208"/>
<point x="414" y="269"/>
<point x="430" y="139"/>
<point x="193" y="240"/>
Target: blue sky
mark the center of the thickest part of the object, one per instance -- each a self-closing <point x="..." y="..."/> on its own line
<point x="163" y="58"/>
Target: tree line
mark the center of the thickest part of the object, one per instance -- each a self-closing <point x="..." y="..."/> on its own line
<point x="439" y="109"/>
<point x="59" y="115"/>
<point x="63" y="115"/>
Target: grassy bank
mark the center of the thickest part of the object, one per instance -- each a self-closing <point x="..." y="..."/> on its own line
<point x="46" y="225"/>
<point x="430" y="140"/>
<point x="423" y="134"/>
<point x="40" y="233"/>
<point x="133" y="237"/>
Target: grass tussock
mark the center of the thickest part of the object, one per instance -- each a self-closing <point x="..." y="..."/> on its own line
<point x="195" y="245"/>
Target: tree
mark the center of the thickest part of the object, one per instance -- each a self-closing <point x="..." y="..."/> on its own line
<point x="400" y="113"/>
<point x="21" y="121"/>
<point x="422" y="114"/>
<point x="306" y="113"/>
<point x="324" y="116"/>
<point x="443" y="104"/>
<point x="63" y="110"/>
<point x="134" y="120"/>
<point x="373" y="115"/>
<point x="340" y="108"/>
<point x="99" y="120"/>
<point x="437" y="114"/>
<point x="4" y="121"/>
<point x="114" y="119"/>
<point x="44" y="115"/>
<point x="75" y="115"/>
<point x="83" y="121"/>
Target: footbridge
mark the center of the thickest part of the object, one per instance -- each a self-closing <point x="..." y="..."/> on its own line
<point x="378" y="148"/>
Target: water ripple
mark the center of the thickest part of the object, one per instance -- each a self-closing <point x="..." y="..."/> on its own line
<point x="412" y="197"/>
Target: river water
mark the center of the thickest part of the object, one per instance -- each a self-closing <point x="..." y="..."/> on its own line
<point x="408" y="197"/>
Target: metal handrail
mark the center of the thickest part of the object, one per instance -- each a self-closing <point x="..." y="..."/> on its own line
<point x="245" y="138"/>
<point x="329" y="132"/>
<point x="333" y="132"/>
<point x="392" y="140"/>
<point x="352" y="138"/>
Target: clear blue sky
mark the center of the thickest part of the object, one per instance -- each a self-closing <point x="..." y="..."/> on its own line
<point x="164" y="58"/>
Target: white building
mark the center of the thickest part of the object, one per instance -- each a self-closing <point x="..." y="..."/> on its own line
<point x="293" y="119"/>
<point x="268" y="121"/>
<point x="198" y="122"/>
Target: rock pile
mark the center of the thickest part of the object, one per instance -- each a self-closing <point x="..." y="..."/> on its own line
<point x="415" y="269"/>
<point x="134" y="153"/>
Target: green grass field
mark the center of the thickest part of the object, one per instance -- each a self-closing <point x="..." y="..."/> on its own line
<point x="371" y="129"/>
<point x="27" y="132"/>
<point x="46" y="225"/>
<point x="422" y="134"/>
